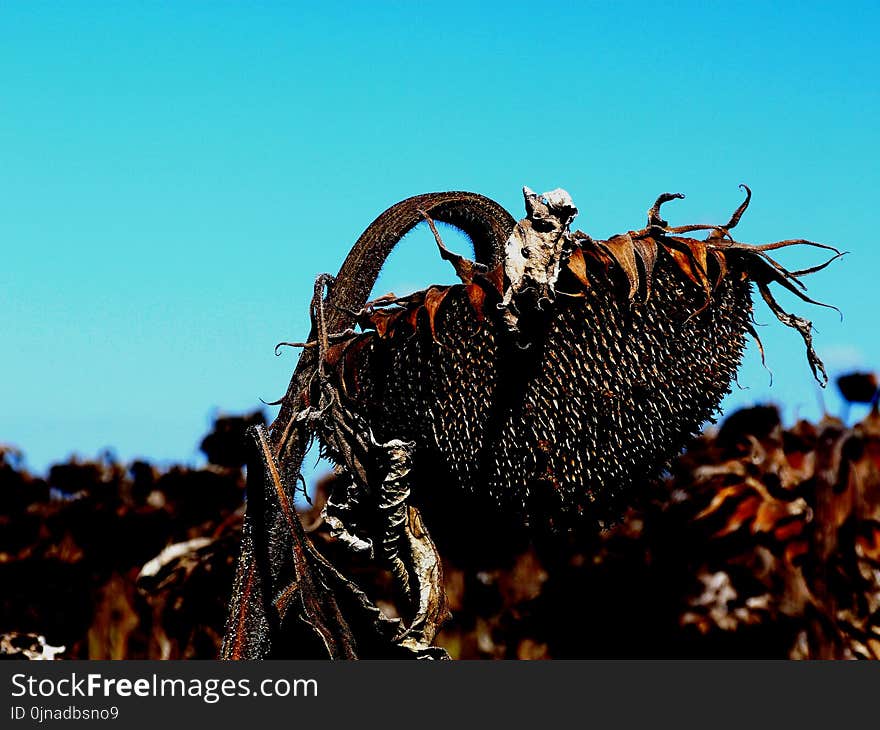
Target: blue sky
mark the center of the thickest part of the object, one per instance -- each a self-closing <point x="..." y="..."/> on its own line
<point x="173" y="175"/>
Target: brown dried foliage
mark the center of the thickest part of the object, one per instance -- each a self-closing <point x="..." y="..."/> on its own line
<point x="762" y="541"/>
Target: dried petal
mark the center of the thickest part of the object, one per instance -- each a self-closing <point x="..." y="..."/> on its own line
<point x="623" y="252"/>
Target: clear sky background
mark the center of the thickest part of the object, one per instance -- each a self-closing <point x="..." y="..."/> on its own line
<point x="173" y="175"/>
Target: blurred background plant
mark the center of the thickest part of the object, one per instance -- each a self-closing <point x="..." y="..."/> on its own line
<point x="761" y="540"/>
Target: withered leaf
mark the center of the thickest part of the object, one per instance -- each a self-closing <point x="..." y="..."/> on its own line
<point x="577" y="264"/>
<point x="477" y="297"/>
<point x="646" y="248"/>
<point x="433" y="299"/>
<point x="623" y="252"/>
